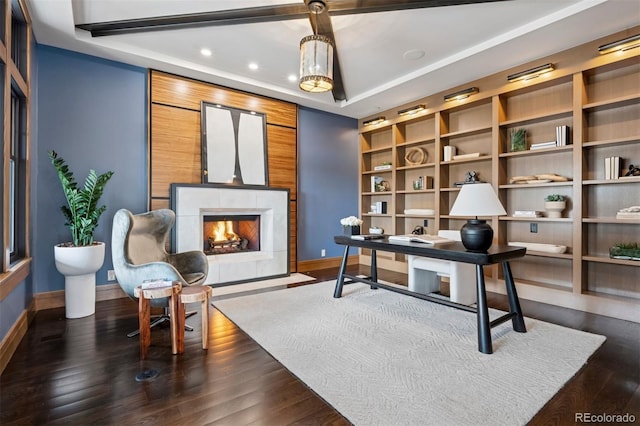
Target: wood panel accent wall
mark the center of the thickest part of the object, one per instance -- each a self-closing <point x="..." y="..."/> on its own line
<point x="175" y="142"/>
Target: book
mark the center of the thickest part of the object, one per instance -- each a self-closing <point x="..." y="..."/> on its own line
<point x="527" y="213"/>
<point x="417" y="238"/>
<point x="464" y="156"/>
<point x="367" y="237"/>
<point x="382" y="167"/>
<point x="156" y="284"/>
<point x="562" y="135"/>
<point x="607" y="168"/>
<point x="541" y="145"/>
<point x="378" y="184"/>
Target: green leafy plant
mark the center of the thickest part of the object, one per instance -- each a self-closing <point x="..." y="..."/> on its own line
<point x="555" y="197"/>
<point x="625" y="251"/>
<point x="82" y="211"/>
<point x="518" y="139"/>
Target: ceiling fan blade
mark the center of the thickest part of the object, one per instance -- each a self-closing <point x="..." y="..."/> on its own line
<point x="322" y="23"/>
<point x="247" y="15"/>
<point x="351" y="7"/>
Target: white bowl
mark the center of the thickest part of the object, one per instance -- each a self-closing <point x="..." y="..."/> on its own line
<point x="376" y="231"/>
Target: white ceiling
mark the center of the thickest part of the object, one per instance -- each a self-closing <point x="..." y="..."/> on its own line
<point x="461" y="44"/>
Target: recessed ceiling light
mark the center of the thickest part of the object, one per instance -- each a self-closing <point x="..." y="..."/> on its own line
<point x="205" y="52"/>
<point x="413" y="54"/>
<point x="253" y="66"/>
<point x="292" y="77"/>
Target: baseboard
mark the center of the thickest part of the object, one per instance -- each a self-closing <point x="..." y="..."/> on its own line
<point x="12" y="339"/>
<point x="329" y="262"/>
<point x="55" y="299"/>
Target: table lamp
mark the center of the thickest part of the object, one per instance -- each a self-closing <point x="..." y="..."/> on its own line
<point x="477" y="199"/>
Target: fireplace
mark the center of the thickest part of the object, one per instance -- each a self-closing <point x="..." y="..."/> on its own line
<point x="253" y="224"/>
<point x="226" y="234"/>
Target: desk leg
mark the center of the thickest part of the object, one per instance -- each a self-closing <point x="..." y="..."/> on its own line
<point x="374" y="269"/>
<point x="484" y="327"/>
<point x="514" y="302"/>
<point x="340" y="280"/>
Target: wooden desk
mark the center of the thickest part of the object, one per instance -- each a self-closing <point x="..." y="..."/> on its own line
<point x="453" y="251"/>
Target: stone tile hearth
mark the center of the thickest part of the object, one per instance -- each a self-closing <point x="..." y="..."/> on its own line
<point x="193" y="202"/>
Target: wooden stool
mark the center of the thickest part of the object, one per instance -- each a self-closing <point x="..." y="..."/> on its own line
<point x="144" y="315"/>
<point x="200" y="293"/>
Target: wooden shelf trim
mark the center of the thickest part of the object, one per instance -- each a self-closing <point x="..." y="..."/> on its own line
<point x="567" y="256"/>
<point x="417" y="142"/>
<point x="622" y="180"/>
<point x="611" y="220"/>
<point x="467" y="132"/>
<point x="377" y="150"/>
<point x="419" y="166"/>
<point x="620" y="101"/>
<point x="566" y="148"/>
<point x="536" y="219"/>
<point x="535" y="118"/>
<point x="534" y="185"/>
<point x="602" y="259"/>
<point x="466" y="160"/>
<point x="617" y="141"/>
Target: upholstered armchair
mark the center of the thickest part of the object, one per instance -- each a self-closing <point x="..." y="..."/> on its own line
<point x="138" y="252"/>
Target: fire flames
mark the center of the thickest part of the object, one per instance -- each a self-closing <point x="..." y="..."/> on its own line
<point x="223" y="231"/>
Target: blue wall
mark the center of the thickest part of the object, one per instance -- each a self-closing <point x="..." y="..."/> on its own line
<point x="327" y="180"/>
<point x="93" y="113"/>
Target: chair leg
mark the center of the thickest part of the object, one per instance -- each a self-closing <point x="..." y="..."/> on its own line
<point x="157" y="320"/>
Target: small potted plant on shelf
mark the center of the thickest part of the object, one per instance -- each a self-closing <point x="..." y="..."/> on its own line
<point x="518" y="140"/>
<point x="626" y="251"/>
<point x="555" y="204"/>
<point x="78" y="260"/>
<point x="351" y="225"/>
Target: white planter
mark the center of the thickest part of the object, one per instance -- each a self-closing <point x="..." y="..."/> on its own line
<point x="555" y="208"/>
<point x="79" y="266"/>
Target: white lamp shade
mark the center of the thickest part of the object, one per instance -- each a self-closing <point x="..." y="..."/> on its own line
<point x="477" y="199"/>
<point x="316" y="64"/>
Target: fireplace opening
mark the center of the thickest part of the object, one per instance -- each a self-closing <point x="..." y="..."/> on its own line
<point x="224" y="234"/>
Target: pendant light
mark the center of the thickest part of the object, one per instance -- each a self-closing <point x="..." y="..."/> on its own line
<point x="316" y="57"/>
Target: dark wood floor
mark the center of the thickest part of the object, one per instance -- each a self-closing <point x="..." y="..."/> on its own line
<point x="83" y="372"/>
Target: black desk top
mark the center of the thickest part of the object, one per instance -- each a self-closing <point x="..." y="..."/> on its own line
<point x="448" y="251"/>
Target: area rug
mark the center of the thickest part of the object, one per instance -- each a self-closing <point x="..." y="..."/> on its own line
<point x="260" y="285"/>
<point x="382" y="358"/>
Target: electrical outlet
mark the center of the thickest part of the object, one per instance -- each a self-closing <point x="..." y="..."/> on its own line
<point x="533" y="227"/>
<point x="323" y="253"/>
<point x="425" y="223"/>
<point x="111" y="275"/>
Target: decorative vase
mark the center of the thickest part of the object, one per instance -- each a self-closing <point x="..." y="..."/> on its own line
<point x="555" y="208"/>
<point x="79" y="266"/>
<point x="351" y="230"/>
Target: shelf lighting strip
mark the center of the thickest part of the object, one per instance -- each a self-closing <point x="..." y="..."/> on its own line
<point x="412" y="110"/>
<point x="373" y="121"/>
<point x="462" y="94"/>
<point x="620" y="45"/>
<point x="531" y="73"/>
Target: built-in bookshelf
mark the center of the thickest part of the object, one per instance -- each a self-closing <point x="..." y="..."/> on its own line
<point x="598" y="99"/>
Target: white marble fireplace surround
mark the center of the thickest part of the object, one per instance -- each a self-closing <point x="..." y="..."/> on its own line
<point x="192" y="202"/>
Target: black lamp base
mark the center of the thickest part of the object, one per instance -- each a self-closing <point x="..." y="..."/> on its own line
<point x="476" y="235"/>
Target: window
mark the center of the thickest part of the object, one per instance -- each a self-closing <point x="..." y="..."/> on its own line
<point x="17" y="177"/>
<point x="15" y="62"/>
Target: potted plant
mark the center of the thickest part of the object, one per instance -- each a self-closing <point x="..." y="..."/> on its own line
<point x="78" y="260"/>
<point x="555" y="204"/>
<point x="351" y="225"/>
<point x="627" y="251"/>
